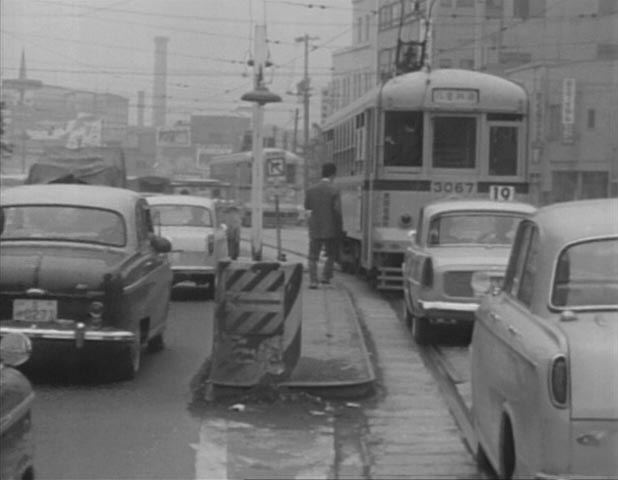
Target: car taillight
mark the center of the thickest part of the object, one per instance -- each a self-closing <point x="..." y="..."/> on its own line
<point x="427" y="274"/>
<point x="559" y="381"/>
<point x="210" y="241"/>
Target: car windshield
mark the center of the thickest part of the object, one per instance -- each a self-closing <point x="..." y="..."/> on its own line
<point x="62" y="222"/>
<point x="182" y="215"/>
<point x="472" y="227"/>
<point x="587" y="275"/>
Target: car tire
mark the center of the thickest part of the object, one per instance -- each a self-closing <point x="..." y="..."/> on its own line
<point x="130" y="358"/>
<point x="421" y="330"/>
<point x="156" y="343"/>
<point x="482" y="460"/>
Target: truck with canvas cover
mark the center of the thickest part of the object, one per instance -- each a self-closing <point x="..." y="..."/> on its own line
<point x="89" y="165"/>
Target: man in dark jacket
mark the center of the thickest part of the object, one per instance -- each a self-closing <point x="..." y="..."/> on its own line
<point x="325" y="224"/>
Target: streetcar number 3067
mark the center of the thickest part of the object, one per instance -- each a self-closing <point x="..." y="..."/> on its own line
<point x="452" y="187"/>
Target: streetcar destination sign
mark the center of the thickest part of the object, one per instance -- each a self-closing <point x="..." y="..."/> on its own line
<point x="459" y="96"/>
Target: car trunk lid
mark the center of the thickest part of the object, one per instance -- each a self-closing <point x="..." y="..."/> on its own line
<point x="593" y="347"/>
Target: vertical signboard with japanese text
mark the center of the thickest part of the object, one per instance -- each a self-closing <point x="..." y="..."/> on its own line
<point x="568" y="111"/>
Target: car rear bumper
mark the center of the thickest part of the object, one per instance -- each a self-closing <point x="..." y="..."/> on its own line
<point x="78" y="335"/>
<point x="451" y="310"/>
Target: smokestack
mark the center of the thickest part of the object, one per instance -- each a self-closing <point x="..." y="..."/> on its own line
<point x="160" y="80"/>
<point x="140" y="108"/>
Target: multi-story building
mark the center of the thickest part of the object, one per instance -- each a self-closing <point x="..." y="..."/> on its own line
<point x="564" y="52"/>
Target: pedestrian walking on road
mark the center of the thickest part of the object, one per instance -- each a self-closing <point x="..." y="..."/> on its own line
<point x="323" y="200"/>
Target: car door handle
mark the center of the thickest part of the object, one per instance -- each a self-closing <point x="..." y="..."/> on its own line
<point x="149" y="264"/>
<point x="494" y="316"/>
<point x="512" y="330"/>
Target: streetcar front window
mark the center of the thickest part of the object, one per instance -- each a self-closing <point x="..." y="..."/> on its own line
<point x="454" y="142"/>
<point x="503" y="150"/>
<point x="403" y="139"/>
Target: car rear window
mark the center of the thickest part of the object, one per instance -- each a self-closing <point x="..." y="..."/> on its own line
<point x="181" y="215"/>
<point x="65" y="223"/>
<point x="473" y="227"/>
<point x="587" y="275"/>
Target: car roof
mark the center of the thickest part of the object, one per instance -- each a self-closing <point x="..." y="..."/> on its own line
<point x="70" y="194"/>
<point x="192" y="200"/>
<point x="444" y="206"/>
<point x="570" y="221"/>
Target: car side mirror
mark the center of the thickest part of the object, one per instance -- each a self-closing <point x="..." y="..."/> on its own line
<point x="161" y="244"/>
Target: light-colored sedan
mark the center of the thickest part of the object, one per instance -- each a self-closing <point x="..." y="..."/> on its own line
<point x="460" y="248"/>
<point x="197" y="235"/>
<point x="544" y="352"/>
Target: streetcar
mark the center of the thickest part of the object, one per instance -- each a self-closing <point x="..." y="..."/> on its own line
<point x="417" y="138"/>
<point x="283" y="194"/>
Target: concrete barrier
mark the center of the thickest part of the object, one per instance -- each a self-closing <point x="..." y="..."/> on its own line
<point x="258" y="316"/>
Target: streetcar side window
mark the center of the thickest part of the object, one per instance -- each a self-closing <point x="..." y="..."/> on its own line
<point x="403" y="139"/>
<point x="454" y="142"/>
<point x="503" y="150"/>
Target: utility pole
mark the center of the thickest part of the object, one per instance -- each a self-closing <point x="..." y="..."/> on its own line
<point x="304" y="90"/>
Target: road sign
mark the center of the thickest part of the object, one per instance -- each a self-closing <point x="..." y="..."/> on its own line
<point x="275" y="167"/>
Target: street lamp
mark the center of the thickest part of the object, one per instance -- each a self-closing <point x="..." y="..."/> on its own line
<point x="260" y="96"/>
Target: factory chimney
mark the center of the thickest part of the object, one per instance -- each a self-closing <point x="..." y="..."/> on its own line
<point x="140" y="108"/>
<point x="160" y="80"/>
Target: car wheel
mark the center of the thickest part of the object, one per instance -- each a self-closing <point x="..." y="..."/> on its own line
<point x="211" y="288"/>
<point x="421" y="330"/>
<point x="156" y="343"/>
<point x="130" y="359"/>
<point x="482" y="460"/>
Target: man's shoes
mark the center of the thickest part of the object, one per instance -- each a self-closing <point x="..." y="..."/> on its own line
<point x="313" y="285"/>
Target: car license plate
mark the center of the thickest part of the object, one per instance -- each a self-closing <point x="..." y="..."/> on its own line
<point x="30" y="310"/>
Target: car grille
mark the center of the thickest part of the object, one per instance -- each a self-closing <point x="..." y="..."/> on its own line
<point x="457" y="284"/>
<point x="188" y="259"/>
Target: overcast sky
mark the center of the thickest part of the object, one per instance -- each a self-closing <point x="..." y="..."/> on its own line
<point x="108" y="46"/>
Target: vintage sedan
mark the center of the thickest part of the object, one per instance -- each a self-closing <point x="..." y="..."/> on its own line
<point x="16" y="398"/>
<point x="458" y="251"/>
<point x="198" y="238"/>
<point x="82" y="269"/>
<point x="544" y="352"/>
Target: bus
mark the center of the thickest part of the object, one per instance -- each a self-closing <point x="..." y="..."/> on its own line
<point x="416" y="138"/>
<point x="283" y="181"/>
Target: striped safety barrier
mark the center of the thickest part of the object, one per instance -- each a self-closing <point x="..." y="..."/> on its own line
<point x="258" y="314"/>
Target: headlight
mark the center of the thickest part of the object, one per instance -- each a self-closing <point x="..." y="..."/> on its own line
<point x="480" y="283"/>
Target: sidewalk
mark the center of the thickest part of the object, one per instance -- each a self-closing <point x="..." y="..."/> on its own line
<point x="411" y="433"/>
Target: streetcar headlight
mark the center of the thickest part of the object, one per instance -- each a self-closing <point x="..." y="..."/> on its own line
<point x="480" y="283"/>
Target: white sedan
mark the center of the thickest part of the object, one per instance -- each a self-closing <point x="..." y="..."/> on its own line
<point x="197" y="235"/>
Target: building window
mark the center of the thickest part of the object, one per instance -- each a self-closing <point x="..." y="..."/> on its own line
<point x="466" y="63"/>
<point x="465" y="3"/>
<point x="607" y="51"/>
<point x="591" y="118"/>
<point x="446" y="3"/>
<point x="529" y="8"/>
<point x="445" y="63"/>
<point x="607" y="7"/>
<point x="359" y="29"/>
<point x="367" y="27"/>
<point x="493" y="8"/>
<point x="555" y="122"/>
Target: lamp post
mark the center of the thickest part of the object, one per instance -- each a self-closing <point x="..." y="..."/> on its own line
<point x="260" y="96"/>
